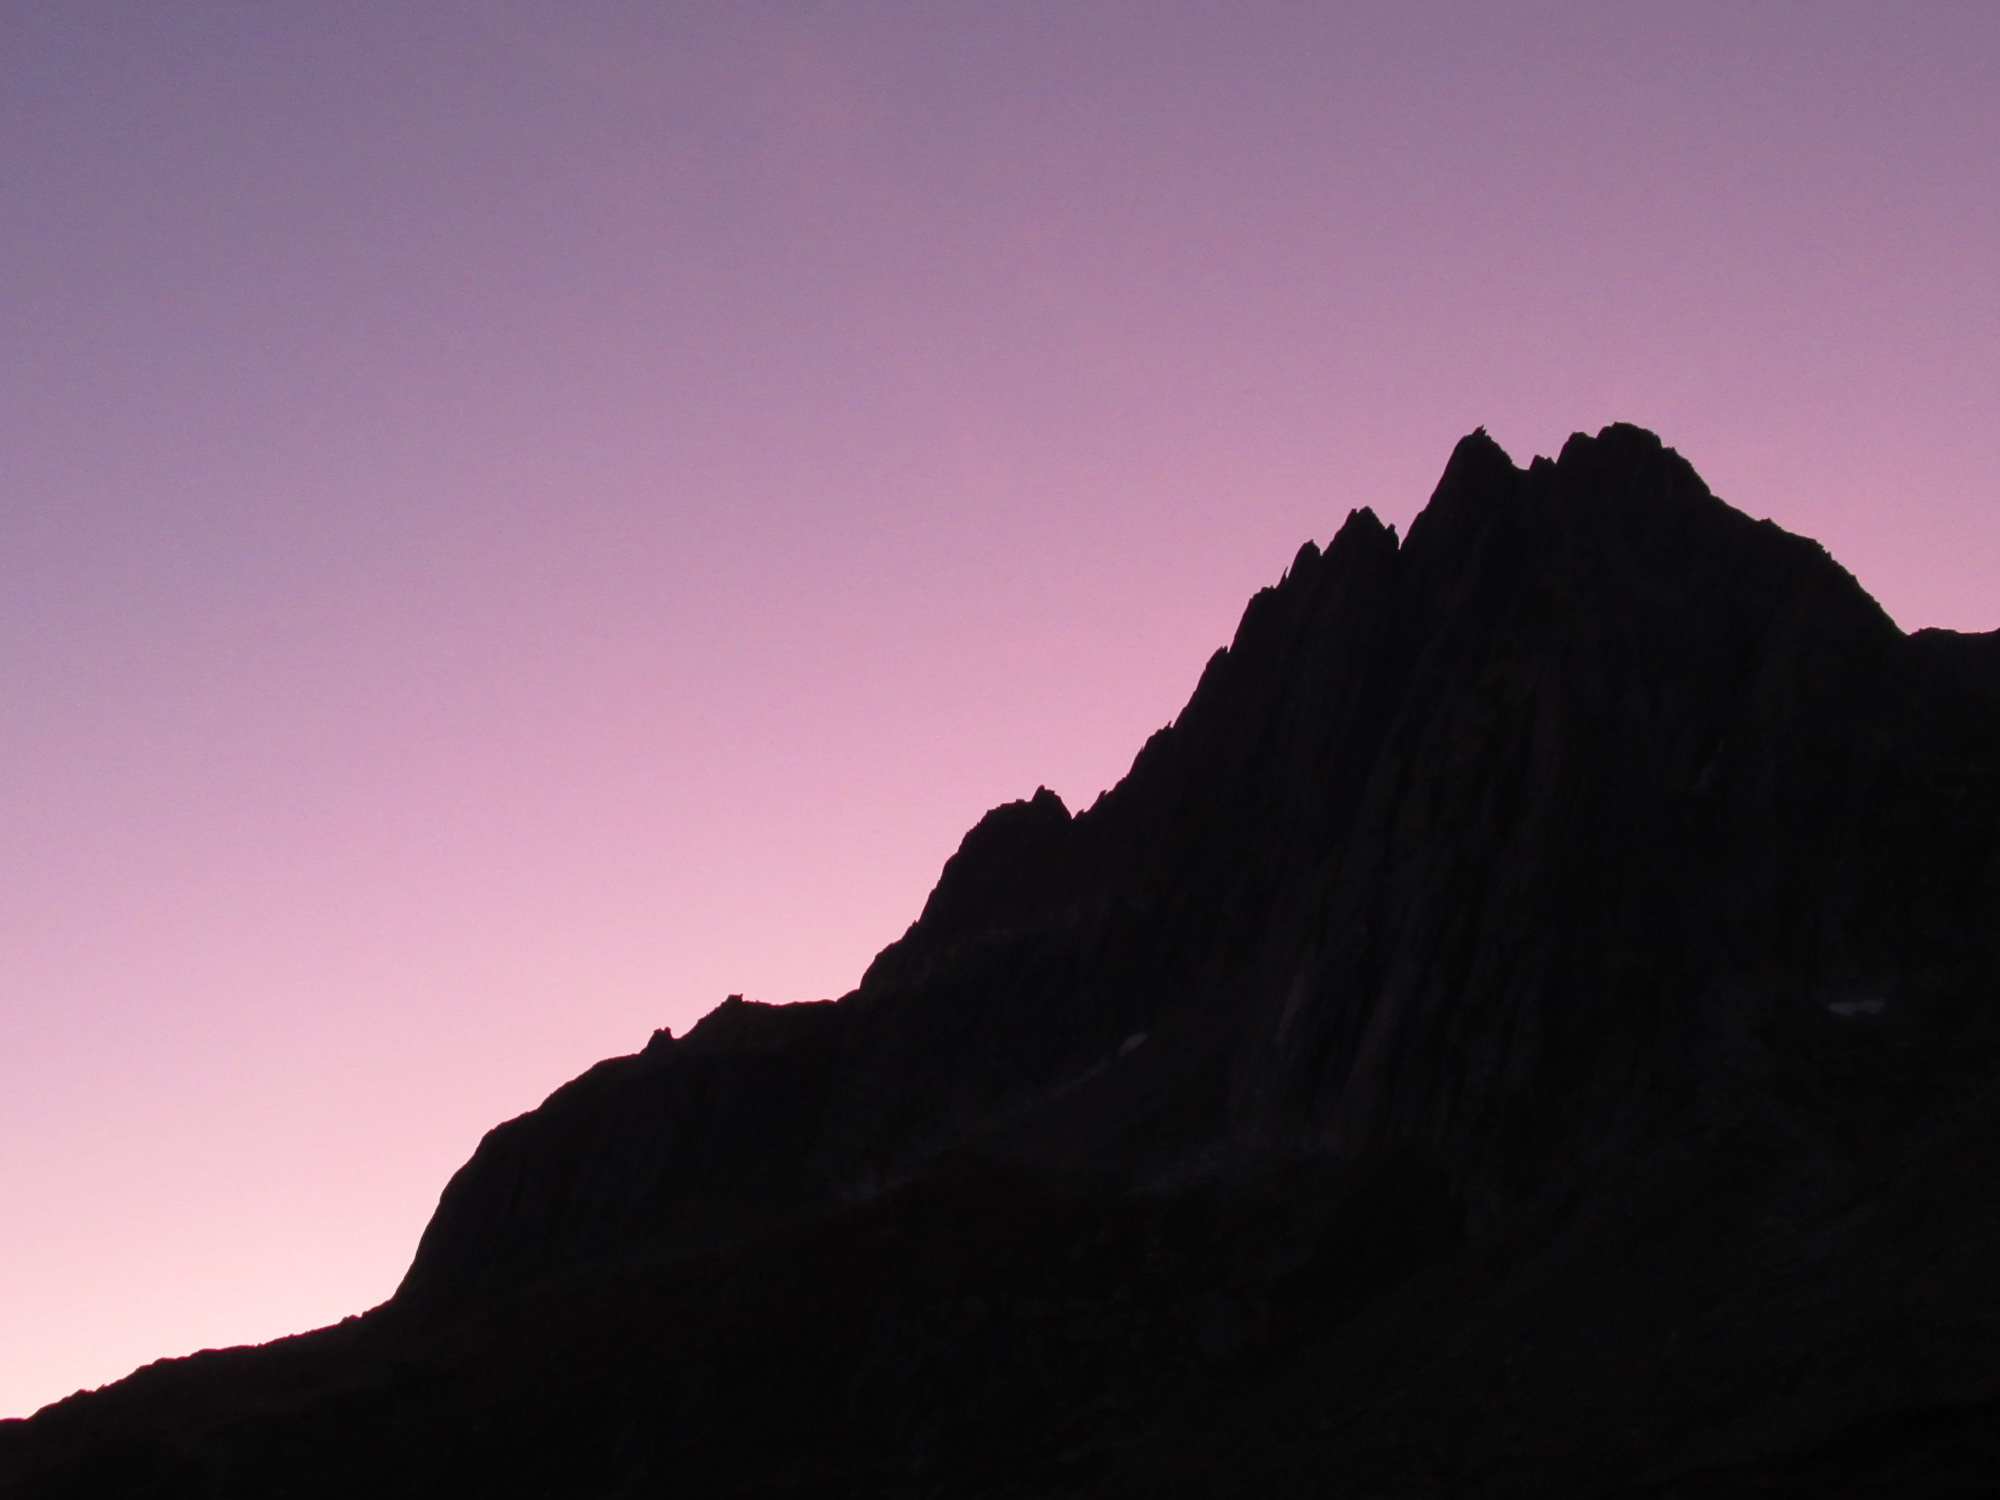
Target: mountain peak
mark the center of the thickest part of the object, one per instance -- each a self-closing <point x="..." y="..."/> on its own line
<point x="1541" y="979"/>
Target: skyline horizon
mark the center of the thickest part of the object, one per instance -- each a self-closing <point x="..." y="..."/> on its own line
<point x="518" y="521"/>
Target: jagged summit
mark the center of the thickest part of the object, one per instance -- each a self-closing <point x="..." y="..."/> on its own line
<point x="1526" y="1027"/>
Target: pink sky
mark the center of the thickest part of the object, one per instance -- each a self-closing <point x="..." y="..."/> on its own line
<point x="518" y="520"/>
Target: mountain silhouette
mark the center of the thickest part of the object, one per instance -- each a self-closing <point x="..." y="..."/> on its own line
<point x="1530" y="1026"/>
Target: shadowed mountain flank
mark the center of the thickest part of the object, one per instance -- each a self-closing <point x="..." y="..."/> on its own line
<point x="1529" y="1027"/>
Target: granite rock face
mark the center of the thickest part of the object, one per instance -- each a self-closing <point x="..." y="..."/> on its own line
<point x="1530" y="1026"/>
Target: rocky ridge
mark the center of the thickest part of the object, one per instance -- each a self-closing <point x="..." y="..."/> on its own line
<point x="1528" y="1027"/>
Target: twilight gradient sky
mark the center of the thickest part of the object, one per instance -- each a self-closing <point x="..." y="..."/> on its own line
<point x="519" y="519"/>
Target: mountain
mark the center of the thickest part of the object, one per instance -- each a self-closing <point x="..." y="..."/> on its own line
<point x="1529" y="1027"/>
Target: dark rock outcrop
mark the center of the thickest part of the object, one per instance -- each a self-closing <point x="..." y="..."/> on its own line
<point x="1530" y="1026"/>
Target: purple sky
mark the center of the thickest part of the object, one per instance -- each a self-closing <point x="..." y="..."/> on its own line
<point x="517" y="520"/>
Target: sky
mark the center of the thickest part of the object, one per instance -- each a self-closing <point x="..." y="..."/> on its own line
<point x="518" y="520"/>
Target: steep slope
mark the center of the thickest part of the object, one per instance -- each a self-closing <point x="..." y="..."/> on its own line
<point x="1527" y="1027"/>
